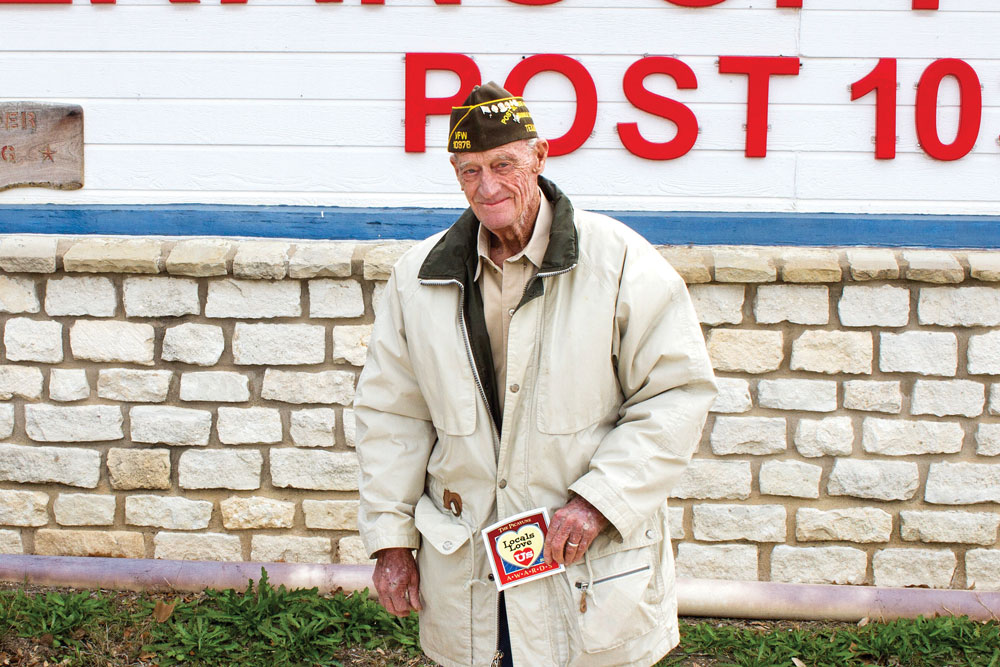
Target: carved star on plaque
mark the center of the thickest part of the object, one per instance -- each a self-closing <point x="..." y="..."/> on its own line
<point x="48" y="153"/>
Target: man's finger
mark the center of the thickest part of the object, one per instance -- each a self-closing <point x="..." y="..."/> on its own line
<point x="414" y="594"/>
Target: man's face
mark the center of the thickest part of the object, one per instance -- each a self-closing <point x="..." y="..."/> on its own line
<point x="501" y="184"/>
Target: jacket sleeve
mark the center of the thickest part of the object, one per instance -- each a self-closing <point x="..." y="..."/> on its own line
<point x="668" y="386"/>
<point x="394" y="433"/>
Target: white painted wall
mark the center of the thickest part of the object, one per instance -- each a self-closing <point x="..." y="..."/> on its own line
<point x="294" y="102"/>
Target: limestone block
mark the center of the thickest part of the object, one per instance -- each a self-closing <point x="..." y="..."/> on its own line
<point x="984" y="353"/>
<point x="335" y="298"/>
<point x="197" y="546"/>
<point x="718" y="304"/>
<point x="879" y="306"/>
<point x="745" y="351"/>
<point x="245" y="426"/>
<point x="331" y="514"/>
<point x="988" y="440"/>
<point x="278" y="344"/>
<point x="139" y="468"/>
<point x="994" y="407"/>
<point x="833" y="352"/>
<point x="20" y="381"/>
<point x="818" y="565"/>
<point x="743" y="265"/>
<point x="17" y="295"/>
<point x="113" y="256"/>
<point x="799" y="304"/>
<point x="872" y="264"/>
<point x="290" y="549"/>
<point x="705" y="479"/>
<point x="80" y="295"/>
<point x="350" y="343"/>
<point x="23" y="508"/>
<point x="6" y="420"/>
<point x="963" y="483"/>
<point x="253" y="299"/>
<point x="351" y="551"/>
<point x="261" y="260"/>
<point x="949" y="526"/>
<point x="168" y="512"/>
<point x="126" y="384"/>
<point x="896" y="568"/>
<point x="301" y="387"/>
<point x="189" y="343"/>
<point x="96" y="543"/>
<point x="350" y="427"/>
<point x="314" y="428"/>
<point x="831" y="436"/>
<point x="983" y="266"/>
<point x="733" y="562"/>
<point x="896" y="437"/>
<point x="863" y="525"/>
<point x="733" y="396"/>
<point x="10" y="542"/>
<point x="124" y="342"/>
<point x="378" y="289"/>
<point x="933" y="266"/>
<point x="199" y="257"/>
<point x="83" y="423"/>
<point x="33" y="340"/>
<point x="84" y="509"/>
<point x="959" y="306"/>
<point x="948" y="397"/>
<point x="675" y="521"/>
<point x="321" y="260"/>
<point x="809" y="395"/>
<point x="170" y="425"/>
<point x="215" y="386"/>
<point x="923" y="352"/>
<point x="790" y="478"/>
<point x="811" y="266"/>
<point x="692" y="264"/>
<point x="161" y="297"/>
<point x="68" y="384"/>
<point x="877" y="480"/>
<point x="873" y="396"/>
<point x="256" y="512"/>
<point x="220" y="469"/>
<point x="381" y="258"/>
<point x="754" y="523"/>
<point x="982" y="569"/>
<point x="314" y="469"/>
<point x="28" y="254"/>
<point x="748" y="435"/>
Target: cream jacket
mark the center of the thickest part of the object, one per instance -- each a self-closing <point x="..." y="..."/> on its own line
<point x="608" y="386"/>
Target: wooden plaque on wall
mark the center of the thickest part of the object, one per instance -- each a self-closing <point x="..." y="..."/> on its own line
<point x="41" y="145"/>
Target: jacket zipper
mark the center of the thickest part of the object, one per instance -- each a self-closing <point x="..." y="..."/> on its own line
<point x="585" y="585"/>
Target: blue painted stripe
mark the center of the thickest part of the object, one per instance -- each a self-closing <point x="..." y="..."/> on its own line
<point x="309" y="222"/>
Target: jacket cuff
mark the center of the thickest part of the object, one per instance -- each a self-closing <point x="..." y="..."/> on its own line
<point x="401" y="541"/>
<point x="593" y="487"/>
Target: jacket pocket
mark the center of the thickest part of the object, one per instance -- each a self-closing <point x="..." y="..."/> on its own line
<point x="442" y="530"/>
<point x="577" y="386"/>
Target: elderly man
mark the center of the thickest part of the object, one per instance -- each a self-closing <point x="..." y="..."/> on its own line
<point x="531" y="356"/>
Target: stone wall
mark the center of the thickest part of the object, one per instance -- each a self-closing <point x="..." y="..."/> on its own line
<point x="191" y="399"/>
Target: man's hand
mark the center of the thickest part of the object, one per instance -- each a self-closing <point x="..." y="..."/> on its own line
<point x="397" y="581"/>
<point x="574" y="526"/>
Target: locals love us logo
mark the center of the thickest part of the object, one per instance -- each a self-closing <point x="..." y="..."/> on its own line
<point x="522" y="548"/>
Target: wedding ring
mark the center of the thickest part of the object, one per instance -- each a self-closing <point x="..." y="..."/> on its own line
<point x="572" y="544"/>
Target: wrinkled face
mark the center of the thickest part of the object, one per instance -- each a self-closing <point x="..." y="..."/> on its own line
<point x="501" y="184"/>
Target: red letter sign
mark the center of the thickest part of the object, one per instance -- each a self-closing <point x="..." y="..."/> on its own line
<point x="925" y="4"/>
<point x="583" y="84"/>
<point x="758" y="71"/>
<point x="970" y="109"/>
<point x="418" y="106"/>
<point x="672" y="110"/>
<point x="882" y="80"/>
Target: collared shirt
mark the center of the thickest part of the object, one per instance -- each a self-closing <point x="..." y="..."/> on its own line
<point x="502" y="289"/>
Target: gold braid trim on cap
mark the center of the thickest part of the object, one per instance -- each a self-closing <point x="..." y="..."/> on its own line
<point x="473" y="107"/>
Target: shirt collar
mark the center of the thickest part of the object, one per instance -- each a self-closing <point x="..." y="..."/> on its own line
<point x="537" y="244"/>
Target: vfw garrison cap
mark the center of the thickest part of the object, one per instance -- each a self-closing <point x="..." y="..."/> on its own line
<point x="490" y="117"/>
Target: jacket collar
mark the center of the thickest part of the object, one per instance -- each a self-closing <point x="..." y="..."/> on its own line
<point x="455" y="255"/>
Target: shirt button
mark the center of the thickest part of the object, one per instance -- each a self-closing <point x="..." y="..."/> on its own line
<point x="502" y="484"/>
<point x="650" y="533"/>
<point x="511" y="312"/>
<point x="515" y="388"/>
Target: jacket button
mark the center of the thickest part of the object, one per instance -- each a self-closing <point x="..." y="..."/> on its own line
<point x="446" y="544"/>
<point x="491" y="577"/>
<point x="514" y="388"/>
<point x="650" y="533"/>
<point x="502" y="484"/>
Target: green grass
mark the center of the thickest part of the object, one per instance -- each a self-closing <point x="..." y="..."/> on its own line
<point x="271" y="627"/>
